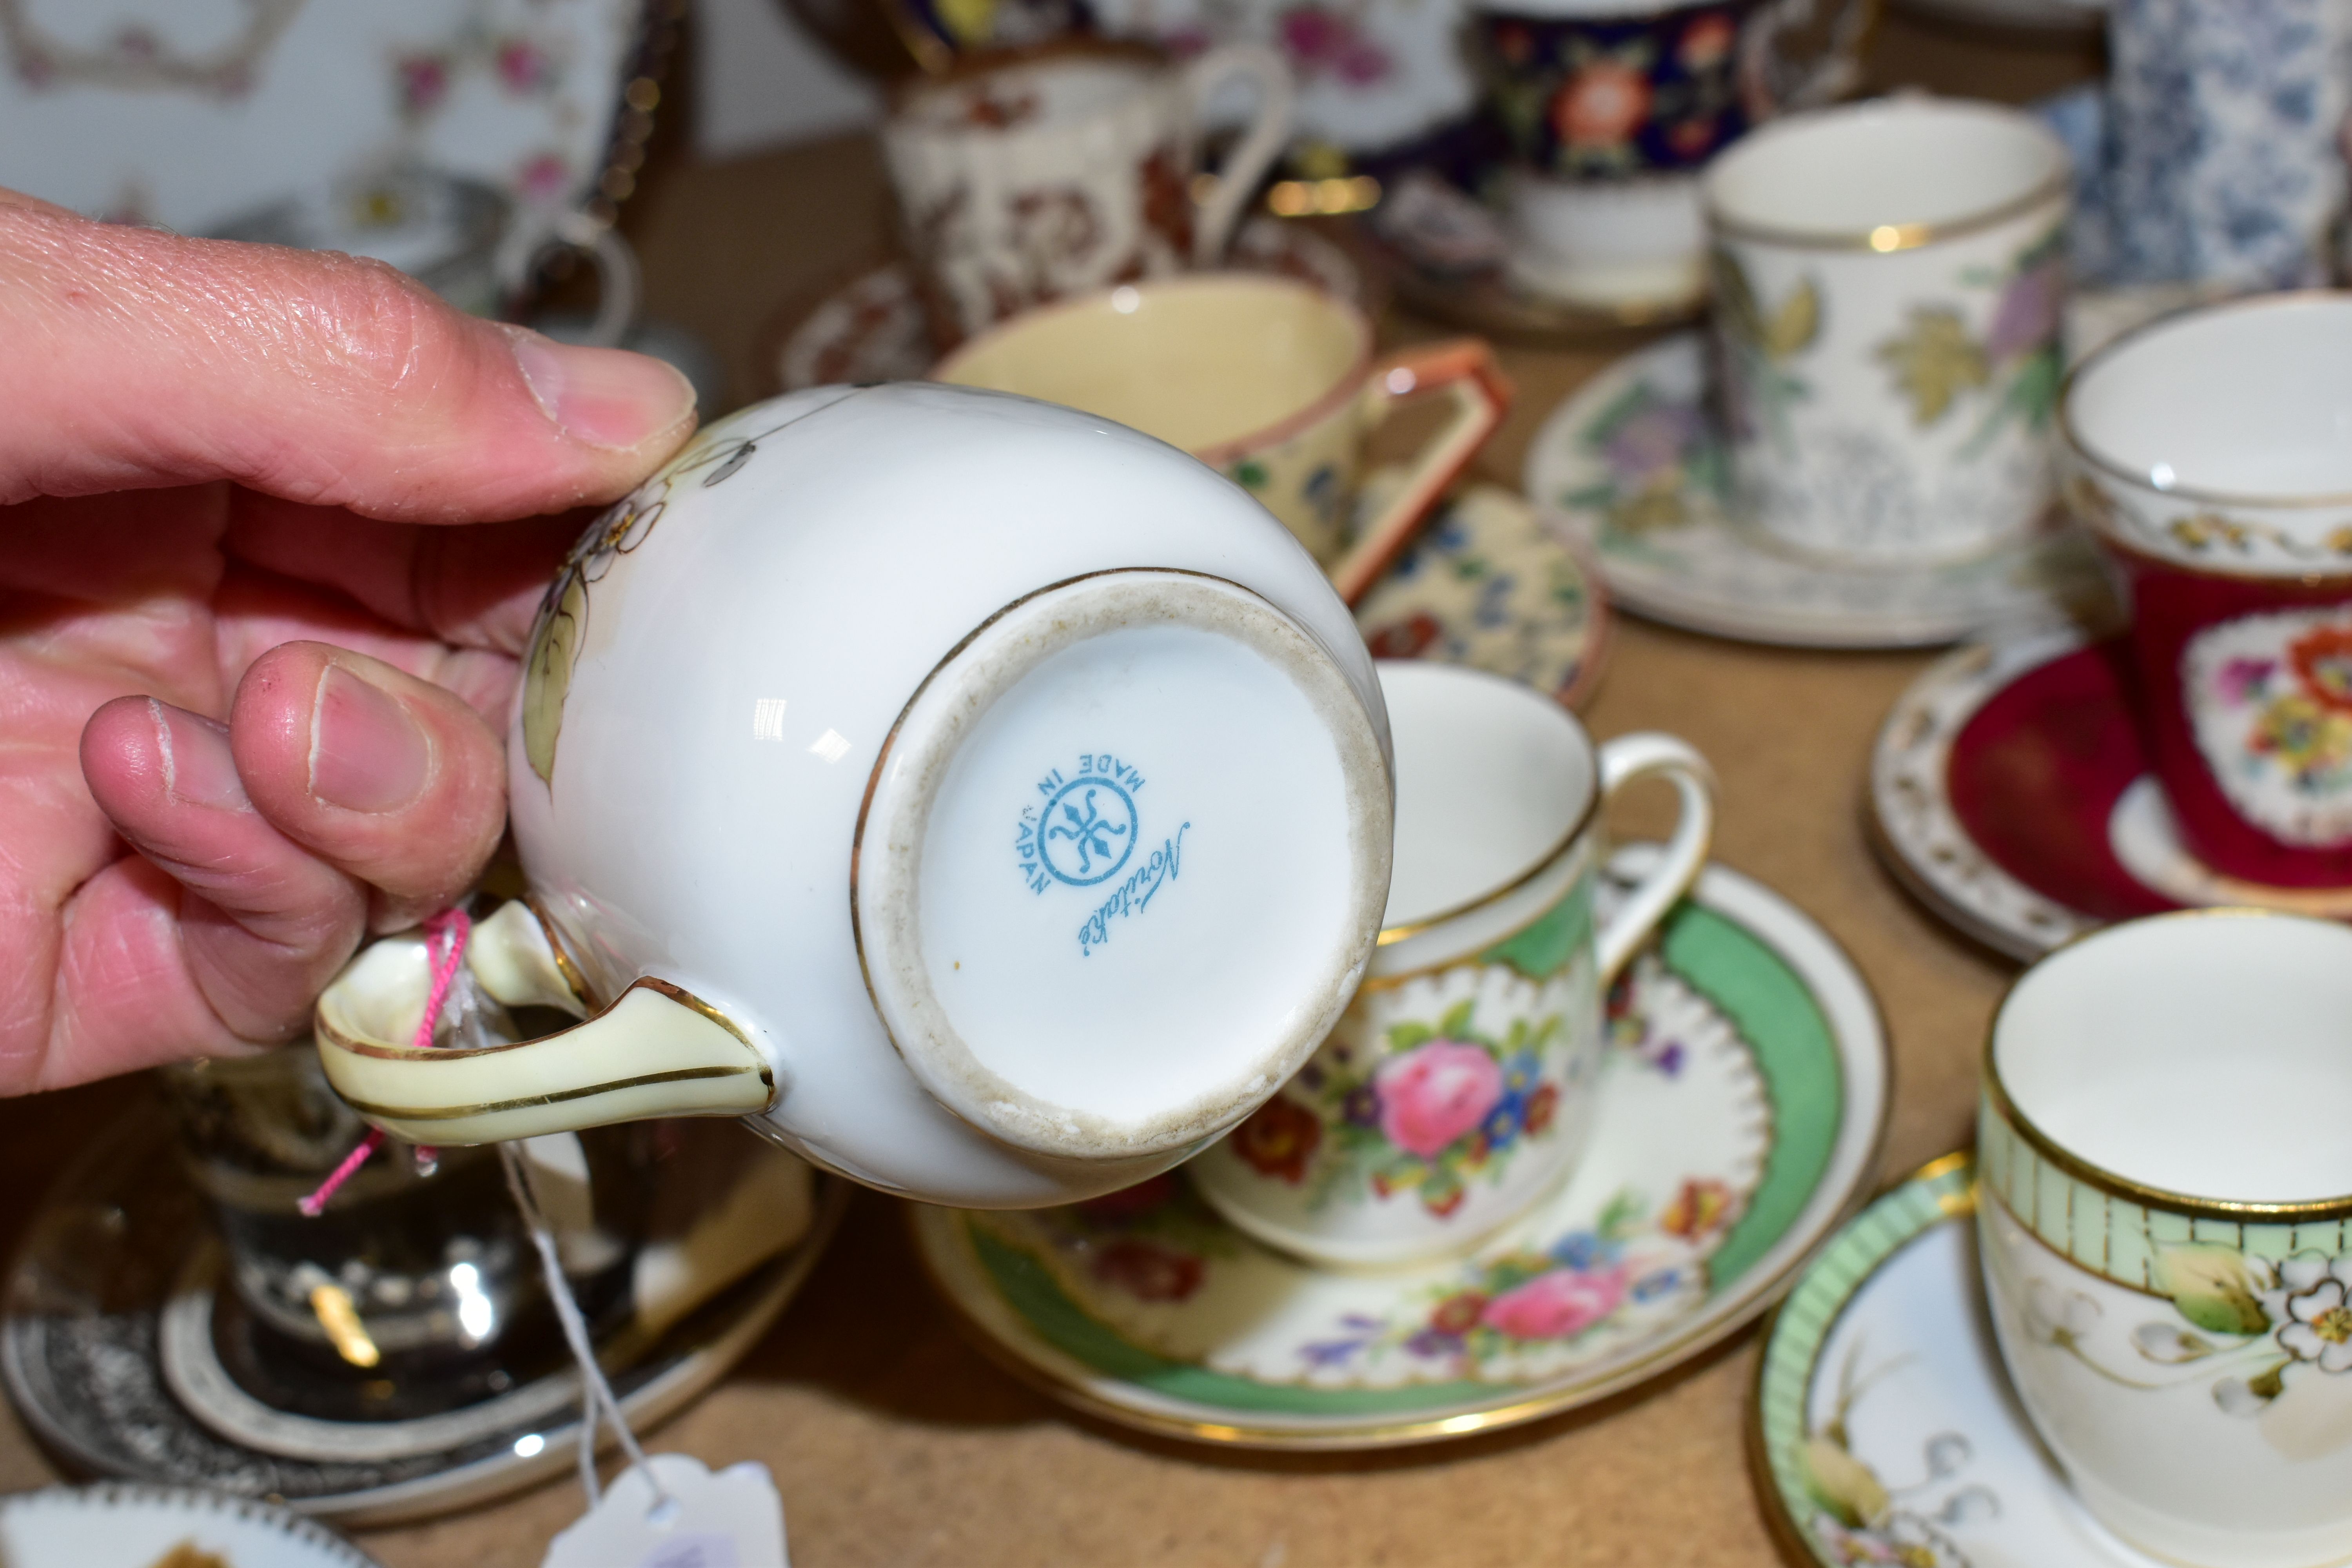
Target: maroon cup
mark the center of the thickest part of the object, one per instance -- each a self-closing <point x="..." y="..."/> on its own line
<point x="2211" y="453"/>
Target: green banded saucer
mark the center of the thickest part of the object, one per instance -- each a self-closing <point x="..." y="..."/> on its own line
<point x="1742" y="1100"/>
<point x="1883" y="1428"/>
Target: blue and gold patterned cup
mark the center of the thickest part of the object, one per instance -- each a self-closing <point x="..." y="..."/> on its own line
<point x="2169" y="1252"/>
<point x="1612" y="106"/>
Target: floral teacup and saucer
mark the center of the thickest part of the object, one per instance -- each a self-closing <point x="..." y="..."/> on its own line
<point x="1528" y="1169"/>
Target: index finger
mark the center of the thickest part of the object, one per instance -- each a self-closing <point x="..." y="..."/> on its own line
<point x="140" y="358"/>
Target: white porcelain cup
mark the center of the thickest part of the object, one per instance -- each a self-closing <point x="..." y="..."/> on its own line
<point x="1458" y="1088"/>
<point x="1070" y="169"/>
<point x="1888" y="278"/>
<point x="989" y="801"/>
<point x="2167" y="1249"/>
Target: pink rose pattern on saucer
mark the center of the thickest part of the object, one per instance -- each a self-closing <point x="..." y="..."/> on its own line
<point x="1569" y="1286"/>
<point x="2270" y="701"/>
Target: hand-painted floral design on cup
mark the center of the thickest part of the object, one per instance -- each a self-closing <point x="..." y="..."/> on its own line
<point x="1888" y="279"/>
<point x="2243" y="1325"/>
<point x="1458" y="1089"/>
<point x="1584" y="95"/>
<point x="1427" y="1110"/>
<point x="2010" y="372"/>
<point x="2270" y="700"/>
<point x="562" y="621"/>
<point x="2167" y="1279"/>
<point x="1760" y="344"/>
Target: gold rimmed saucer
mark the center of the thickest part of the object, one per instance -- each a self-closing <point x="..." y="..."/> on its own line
<point x="1742" y="1103"/>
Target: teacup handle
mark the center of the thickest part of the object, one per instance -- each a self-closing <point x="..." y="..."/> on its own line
<point x="1213" y="225"/>
<point x="1830" y="78"/>
<point x="619" y="286"/>
<point x="1650" y="755"/>
<point x="1464" y="370"/>
<point x="656" y="1051"/>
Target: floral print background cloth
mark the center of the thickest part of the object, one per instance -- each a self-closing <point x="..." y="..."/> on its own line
<point x="196" y="116"/>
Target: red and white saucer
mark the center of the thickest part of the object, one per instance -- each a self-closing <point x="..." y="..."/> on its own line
<point x="2009" y="792"/>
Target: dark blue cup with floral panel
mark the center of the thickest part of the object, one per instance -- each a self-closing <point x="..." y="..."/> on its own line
<point x="1612" y="106"/>
<point x="1586" y="95"/>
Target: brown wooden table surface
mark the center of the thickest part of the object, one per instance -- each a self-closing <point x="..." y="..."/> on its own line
<point x="894" y="1442"/>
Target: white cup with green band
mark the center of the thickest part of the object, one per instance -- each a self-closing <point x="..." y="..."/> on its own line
<point x="1458" y="1088"/>
<point x="2167" y="1248"/>
<point x="991" y="802"/>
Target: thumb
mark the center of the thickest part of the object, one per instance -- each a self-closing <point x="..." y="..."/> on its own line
<point x="140" y="358"/>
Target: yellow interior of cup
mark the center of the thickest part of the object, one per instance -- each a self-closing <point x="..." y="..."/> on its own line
<point x="1200" y="363"/>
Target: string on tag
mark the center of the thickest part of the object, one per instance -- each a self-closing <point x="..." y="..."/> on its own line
<point x="597" y="1396"/>
<point x="452" y="929"/>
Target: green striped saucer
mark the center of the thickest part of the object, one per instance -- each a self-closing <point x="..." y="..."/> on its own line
<point x="1883" y="1429"/>
<point x="1742" y="1106"/>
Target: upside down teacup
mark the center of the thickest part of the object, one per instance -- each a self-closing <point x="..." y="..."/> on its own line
<point x="2167" y="1249"/>
<point x="1458" y="1089"/>
<point x="990" y="802"/>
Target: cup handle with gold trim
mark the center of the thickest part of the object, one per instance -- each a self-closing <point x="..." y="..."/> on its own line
<point x="1245" y="165"/>
<point x="656" y="1051"/>
<point x="1650" y="755"/>
<point x="1464" y="371"/>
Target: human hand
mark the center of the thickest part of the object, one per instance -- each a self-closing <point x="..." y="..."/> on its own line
<point x="253" y="687"/>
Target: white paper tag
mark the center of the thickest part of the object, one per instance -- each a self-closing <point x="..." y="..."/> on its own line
<point x="731" y="1520"/>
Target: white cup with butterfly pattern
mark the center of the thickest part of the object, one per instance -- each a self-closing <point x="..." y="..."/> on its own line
<point x="867" y="785"/>
<point x="1458" y="1089"/>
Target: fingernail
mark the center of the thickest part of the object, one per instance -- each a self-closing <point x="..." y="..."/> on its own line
<point x="604" y="398"/>
<point x="366" y="752"/>
<point x="198" y="769"/>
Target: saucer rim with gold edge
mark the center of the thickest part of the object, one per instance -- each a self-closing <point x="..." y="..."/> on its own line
<point x="1752" y="591"/>
<point x="1912" y="823"/>
<point x="1783" y="1443"/>
<point x="1851" y="1043"/>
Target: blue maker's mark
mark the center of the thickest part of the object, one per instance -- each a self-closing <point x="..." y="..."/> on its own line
<point x="1088" y="831"/>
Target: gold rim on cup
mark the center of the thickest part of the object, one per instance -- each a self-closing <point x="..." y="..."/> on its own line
<point x="2229" y="1210"/>
<point x="2079" y="448"/>
<point x="1888" y="238"/>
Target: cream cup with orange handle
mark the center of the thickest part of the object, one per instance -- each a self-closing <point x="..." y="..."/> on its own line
<point x="1270" y="381"/>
